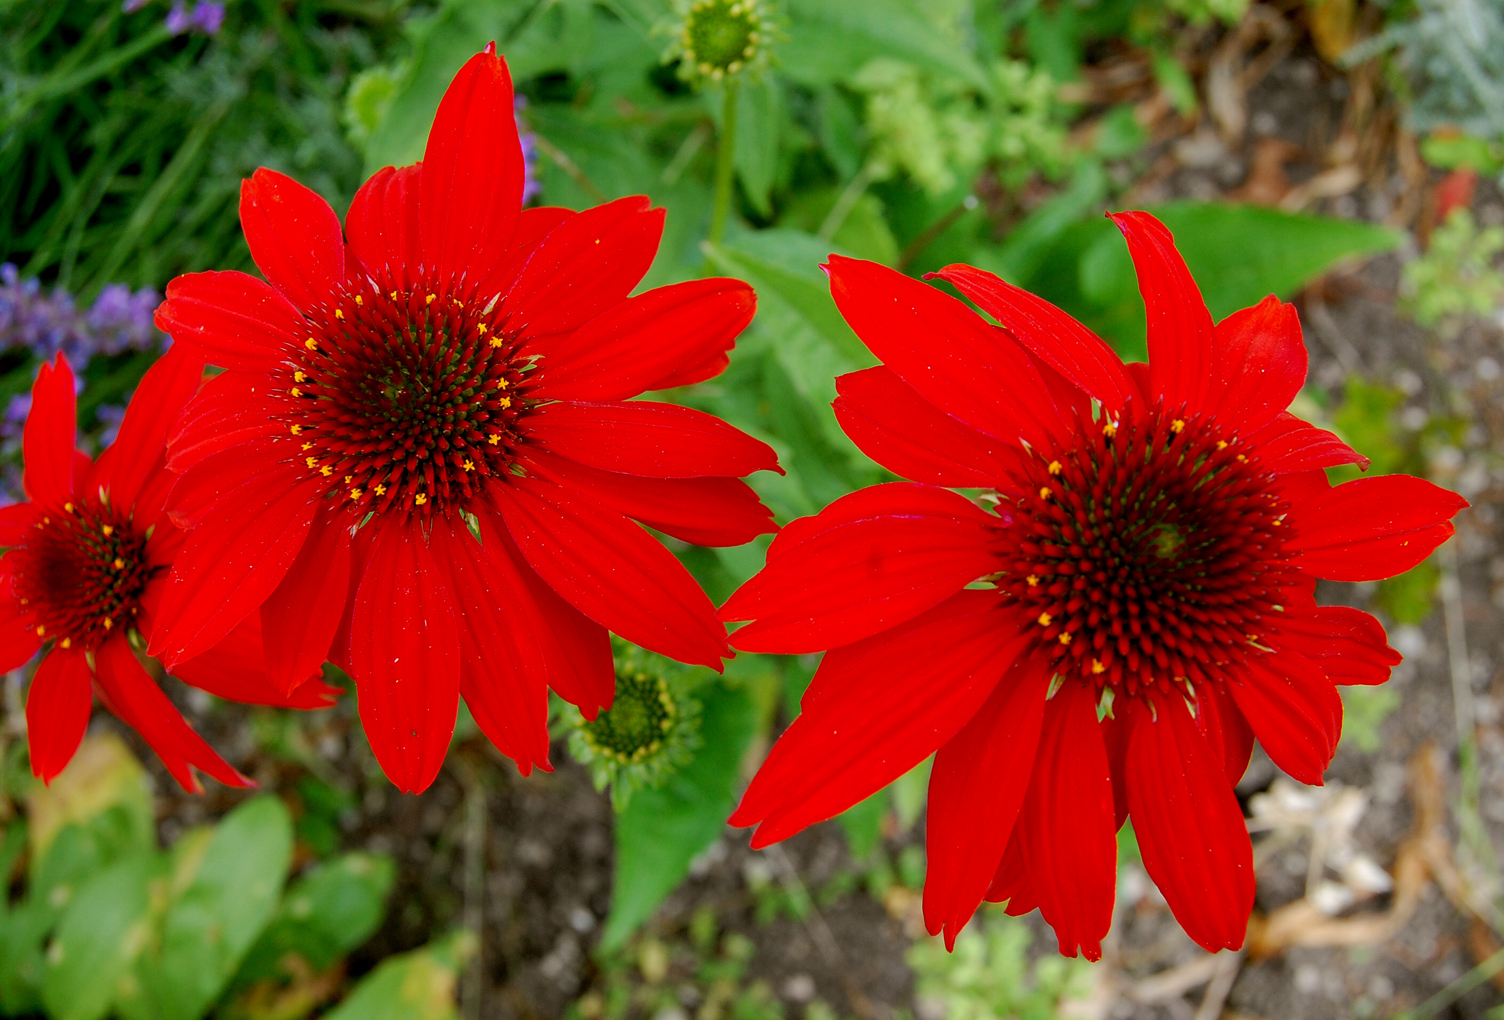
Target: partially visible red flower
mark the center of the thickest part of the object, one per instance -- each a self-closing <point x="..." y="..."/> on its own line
<point x="422" y="460"/>
<point x="85" y="564"/>
<point x="1108" y="638"/>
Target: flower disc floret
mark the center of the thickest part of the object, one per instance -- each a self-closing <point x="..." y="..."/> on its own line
<point x="404" y="398"/>
<point x="1145" y="551"/>
<point x="81" y="574"/>
<point x="637" y="722"/>
<point x="719" y="38"/>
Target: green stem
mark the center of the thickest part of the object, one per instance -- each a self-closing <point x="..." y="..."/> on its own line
<point x="724" y="163"/>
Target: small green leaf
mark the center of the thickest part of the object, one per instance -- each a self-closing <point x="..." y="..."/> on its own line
<point x="414" y="986"/>
<point x="663" y="829"/>
<point x="98" y="939"/>
<point x="830" y="39"/>
<point x="759" y="118"/>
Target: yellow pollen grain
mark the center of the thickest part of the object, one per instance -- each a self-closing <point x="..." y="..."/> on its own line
<point x="355" y="493"/>
<point x="119" y="563"/>
<point x="380" y="490"/>
<point x="360" y="300"/>
<point x="430" y="299"/>
<point x="469" y="465"/>
<point x="505" y="402"/>
<point x="299" y="377"/>
<point x="296" y="392"/>
<point x="108" y="529"/>
<point x="349" y="479"/>
<point x="66" y="642"/>
<point x="1177" y="426"/>
<point x="108" y="623"/>
<point x="1033" y="580"/>
<point x="393" y="295"/>
<point x="481" y="328"/>
<point x="1097" y="667"/>
<point x="1242" y="459"/>
<point x="306" y="446"/>
<point x="326" y="471"/>
<point x="41" y="630"/>
<point x="1044" y="619"/>
<point x="297" y="430"/>
<point x="311" y="344"/>
<point x="1275" y="523"/>
<point x="339" y="313"/>
<point x="496" y="341"/>
<point x="1109" y="430"/>
<point x="1065" y="638"/>
<point x="68" y="507"/>
<point x="311" y="461"/>
<point x="1056" y="467"/>
<point x="493" y="438"/>
<point x="1221" y="444"/>
<point x="1046" y="492"/>
<point x="421" y="498"/>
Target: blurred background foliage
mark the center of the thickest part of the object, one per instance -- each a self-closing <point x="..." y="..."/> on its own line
<point x="915" y="134"/>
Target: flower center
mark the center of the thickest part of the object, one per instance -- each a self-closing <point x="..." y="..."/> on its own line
<point x="641" y="715"/>
<point x="81" y="573"/>
<point x="405" y="398"/>
<point x="1145" y="551"/>
<point x="721" y="36"/>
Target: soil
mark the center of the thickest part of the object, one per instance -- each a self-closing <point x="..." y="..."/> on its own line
<point x="546" y="885"/>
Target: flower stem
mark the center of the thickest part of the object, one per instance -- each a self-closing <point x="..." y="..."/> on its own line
<point x="725" y="158"/>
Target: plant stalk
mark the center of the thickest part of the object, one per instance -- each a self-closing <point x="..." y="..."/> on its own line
<point x="724" y="163"/>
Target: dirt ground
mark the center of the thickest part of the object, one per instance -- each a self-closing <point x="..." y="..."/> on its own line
<point x="535" y="866"/>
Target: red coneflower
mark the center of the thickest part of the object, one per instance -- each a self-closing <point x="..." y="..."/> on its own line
<point x="1109" y="638"/>
<point x="85" y="564"/>
<point x="422" y="461"/>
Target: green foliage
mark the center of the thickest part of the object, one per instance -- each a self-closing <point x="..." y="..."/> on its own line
<point x="1456" y="276"/>
<point x="662" y="830"/>
<point x="990" y="974"/>
<point x="1364" y="712"/>
<point x="414" y="986"/>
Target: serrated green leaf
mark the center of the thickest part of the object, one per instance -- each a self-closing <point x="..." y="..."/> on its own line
<point x="663" y="829"/>
<point x="222" y="900"/>
<point x="98" y="939"/>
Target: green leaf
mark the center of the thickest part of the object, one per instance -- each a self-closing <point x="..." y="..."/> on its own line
<point x="324" y="915"/>
<point x="224" y="896"/>
<point x="663" y="829"/>
<point x="98" y="940"/>
<point x="1238" y="254"/>
<point x="414" y="986"/>
<point x="863" y="824"/>
<point x="830" y="39"/>
<point x="759" y="118"/>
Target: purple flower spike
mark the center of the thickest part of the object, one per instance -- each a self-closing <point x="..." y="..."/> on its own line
<point x="530" y="183"/>
<point x="208" y="16"/>
<point x="178" y="20"/>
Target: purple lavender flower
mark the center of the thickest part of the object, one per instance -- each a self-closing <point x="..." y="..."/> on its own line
<point x="208" y="16"/>
<point x="119" y="320"/>
<point x="530" y="184"/>
<point x="110" y="416"/>
<point x="178" y="20"/>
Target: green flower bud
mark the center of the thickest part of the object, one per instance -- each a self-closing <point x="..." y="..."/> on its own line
<point x="650" y="731"/>
<point x="719" y="39"/>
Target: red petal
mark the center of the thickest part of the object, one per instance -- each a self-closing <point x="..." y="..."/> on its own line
<point x="641" y="437"/>
<point x="15" y="521"/>
<point x="231" y="320"/>
<point x="48" y="437"/>
<point x="1299" y="487"/>
<point x="504" y="663"/>
<point x="137" y="700"/>
<point x="299" y="618"/>
<point x="580" y="667"/>
<point x="876" y="709"/>
<point x="1011" y="883"/>
<point x="1190" y="830"/>
<point x="232" y="409"/>
<point x="854" y="578"/>
<point x="1261" y="355"/>
<point x="229" y="565"/>
<point x="1288" y="444"/>
<point x="404" y="647"/>
<point x="976" y="790"/>
<point x="235" y="669"/>
<point x="18" y="636"/>
<point x="646" y="340"/>
<point x="472" y="176"/>
<point x="533" y="225"/>
<point x="612" y="571"/>
<point x="701" y="511"/>
<point x="945" y="351"/>
<point x="1183" y="358"/>
<point x="1371" y="528"/>
<point x="57" y="711"/>
<point x="909" y="436"/>
<point x="1069" y="846"/>
<point x="217" y="481"/>
<point x="138" y="448"/>
<point x="1226" y="732"/>
<point x="1294" y="710"/>
<point x="383" y="223"/>
<point x="1049" y="333"/>
<point x="294" y="237"/>
<point x="588" y="264"/>
<point x="1348" y="644"/>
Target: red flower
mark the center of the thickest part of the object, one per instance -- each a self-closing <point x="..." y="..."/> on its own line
<point x="1108" y="640"/>
<point x="86" y="563"/>
<point x="422" y="461"/>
